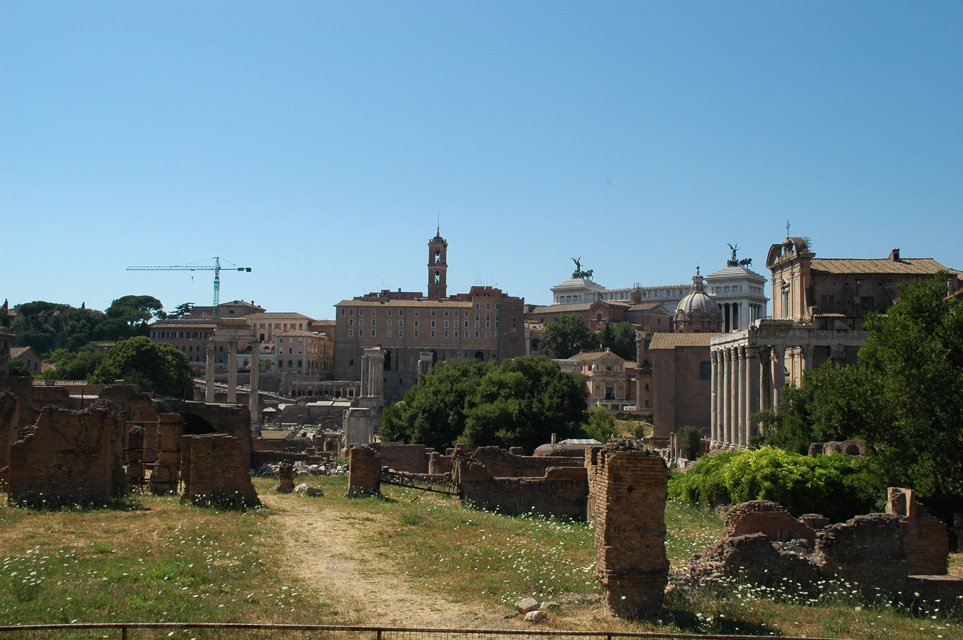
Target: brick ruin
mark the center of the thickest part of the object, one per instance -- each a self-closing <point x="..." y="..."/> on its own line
<point x="122" y="438"/>
<point x="215" y="471"/>
<point x="902" y="551"/>
<point x="560" y="492"/>
<point x="68" y="457"/>
<point x="364" y="472"/>
<point x="628" y="493"/>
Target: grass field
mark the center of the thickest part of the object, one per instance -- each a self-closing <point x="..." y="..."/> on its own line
<point x="154" y="559"/>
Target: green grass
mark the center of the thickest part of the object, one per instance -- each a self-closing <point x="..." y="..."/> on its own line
<point x="160" y="560"/>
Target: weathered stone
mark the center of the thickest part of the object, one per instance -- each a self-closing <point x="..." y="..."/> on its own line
<point x="285" y="478"/>
<point x="548" y="606"/>
<point x="68" y="457"/>
<point x="763" y="516"/>
<point x="755" y="559"/>
<point x="311" y="492"/>
<point x="526" y="604"/>
<point x="535" y="616"/>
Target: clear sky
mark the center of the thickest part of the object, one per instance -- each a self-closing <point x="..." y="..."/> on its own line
<point x="320" y="142"/>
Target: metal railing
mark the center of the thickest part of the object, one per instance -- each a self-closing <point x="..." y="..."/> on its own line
<point x="209" y="630"/>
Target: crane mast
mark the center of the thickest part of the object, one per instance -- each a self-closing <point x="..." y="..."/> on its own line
<point x="216" y="268"/>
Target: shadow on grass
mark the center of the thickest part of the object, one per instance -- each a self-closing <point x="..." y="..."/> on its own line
<point x="689" y="622"/>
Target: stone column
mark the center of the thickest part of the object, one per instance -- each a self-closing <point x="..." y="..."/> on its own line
<point x="255" y="381"/>
<point x="764" y="360"/>
<point x="778" y="373"/>
<point x="739" y="399"/>
<point x="209" y="370"/>
<point x="726" y="397"/>
<point x="748" y="383"/>
<point x="232" y="372"/>
<point x="713" y="403"/>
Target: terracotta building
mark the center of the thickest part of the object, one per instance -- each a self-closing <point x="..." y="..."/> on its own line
<point x="416" y="331"/>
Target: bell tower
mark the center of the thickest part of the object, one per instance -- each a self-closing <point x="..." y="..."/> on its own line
<point x="437" y="267"/>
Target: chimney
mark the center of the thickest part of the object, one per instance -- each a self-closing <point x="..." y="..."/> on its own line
<point x="894" y="255"/>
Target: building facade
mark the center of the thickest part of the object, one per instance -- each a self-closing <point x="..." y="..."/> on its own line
<point x="606" y="376"/>
<point x="818" y="310"/>
<point x="484" y="324"/>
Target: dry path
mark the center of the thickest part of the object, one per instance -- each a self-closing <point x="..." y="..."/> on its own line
<point x="325" y="550"/>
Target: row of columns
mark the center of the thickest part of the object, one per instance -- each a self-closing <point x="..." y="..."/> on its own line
<point x="744" y="380"/>
<point x="209" y="395"/>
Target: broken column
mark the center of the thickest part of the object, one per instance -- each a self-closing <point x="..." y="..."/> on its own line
<point x="628" y="485"/>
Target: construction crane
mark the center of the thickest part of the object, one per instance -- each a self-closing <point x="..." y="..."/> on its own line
<point x="216" y="268"/>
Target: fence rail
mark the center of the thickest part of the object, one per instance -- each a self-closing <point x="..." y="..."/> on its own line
<point x="130" y="630"/>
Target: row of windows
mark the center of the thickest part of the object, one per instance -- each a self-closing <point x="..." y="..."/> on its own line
<point x="373" y="333"/>
<point x="401" y="312"/>
<point x="189" y="335"/>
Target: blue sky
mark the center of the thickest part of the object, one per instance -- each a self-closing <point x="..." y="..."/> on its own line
<point x="319" y="142"/>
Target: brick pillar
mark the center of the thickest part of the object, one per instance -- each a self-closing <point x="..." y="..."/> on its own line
<point x="253" y="400"/>
<point x="364" y="473"/>
<point x="165" y="476"/>
<point x="628" y="491"/>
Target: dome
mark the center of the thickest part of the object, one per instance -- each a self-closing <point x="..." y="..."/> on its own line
<point x="697" y="307"/>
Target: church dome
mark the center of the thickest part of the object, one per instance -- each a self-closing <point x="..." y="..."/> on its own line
<point x="697" y="307"/>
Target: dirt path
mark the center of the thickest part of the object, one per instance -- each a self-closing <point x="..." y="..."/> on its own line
<point x="323" y="549"/>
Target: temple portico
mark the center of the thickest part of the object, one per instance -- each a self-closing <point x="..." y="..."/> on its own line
<point x="751" y="367"/>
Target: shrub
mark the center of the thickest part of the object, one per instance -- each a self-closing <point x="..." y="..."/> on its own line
<point x="838" y="486"/>
<point x="690" y="441"/>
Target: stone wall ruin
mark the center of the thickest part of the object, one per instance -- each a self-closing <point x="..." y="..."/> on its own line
<point x="68" y="457"/>
<point x="215" y="471"/>
<point x="903" y="551"/>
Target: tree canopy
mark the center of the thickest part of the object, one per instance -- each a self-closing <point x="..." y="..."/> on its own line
<point x="155" y="367"/>
<point x="567" y="335"/>
<point x="521" y="402"/>
<point x="620" y="338"/>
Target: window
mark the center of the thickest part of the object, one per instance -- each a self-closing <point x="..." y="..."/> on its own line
<point x="416" y="333"/>
<point x="389" y="333"/>
<point x="432" y="314"/>
<point x="401" y="323"/>
<point x="705" y="370"/>
<point x="389" y="323"/>
<point x="401" y="312"/>
<point x="432" y="333"/>
<point x="416" y="323"/>
<point x="401" y="333"/>
<point x="360" y="312"/>
<point x="360" y="333"/>
<point x="373" y="322"/>
<point x="456" y="333"/>
<point x="389" y="312"/>
<point x="446" y="334"/>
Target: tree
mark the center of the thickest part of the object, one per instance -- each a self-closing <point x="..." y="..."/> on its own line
<point x="567" y="335"/>
<point x="523" y="402"/>
<point x="690" y="441"/>
<point x="136" y="312"/>
<point x="182" y="310"/>
<point x="600" y="425"/>
<point x="913" y="363"/>
<point x="19" y="369"/>
<point x="519" y="403"/>
<point x="73" y="365"/>
<point x="902" y="399"/>
<point x="433" y="411"/>
<point x="620" y="339"/>
<point x="155" y="367"/>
